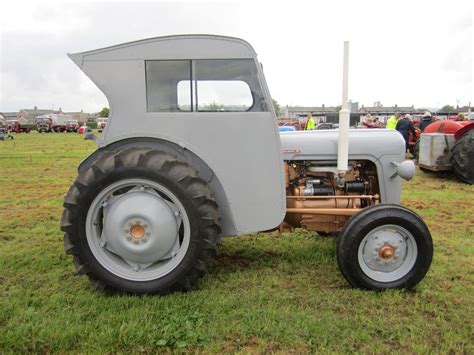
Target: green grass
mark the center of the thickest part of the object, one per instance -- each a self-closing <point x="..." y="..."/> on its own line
<point x="267" y="292"/>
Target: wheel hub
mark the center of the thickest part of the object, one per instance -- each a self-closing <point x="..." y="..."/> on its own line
<point x="137" y="231"/>
<point x="140" y="227"/>
<point x="386" y="252"/>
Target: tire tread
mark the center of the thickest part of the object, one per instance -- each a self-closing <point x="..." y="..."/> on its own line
<point x="180" y="172"/>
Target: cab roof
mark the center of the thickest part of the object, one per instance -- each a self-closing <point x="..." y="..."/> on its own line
<point x="192" y="46"/>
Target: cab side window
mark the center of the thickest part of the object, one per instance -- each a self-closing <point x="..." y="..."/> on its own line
<point x="227" y="85"/>
<point x="210" y="85"/>
<point x="168" y="82"/>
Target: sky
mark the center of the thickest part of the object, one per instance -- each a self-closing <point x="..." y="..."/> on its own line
<point x="401" y="52"/>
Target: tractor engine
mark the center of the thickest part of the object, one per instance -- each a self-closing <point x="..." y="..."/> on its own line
<point x="314" y="199"/>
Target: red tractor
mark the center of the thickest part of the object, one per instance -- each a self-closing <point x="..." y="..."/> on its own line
<point x="447" y="145"/>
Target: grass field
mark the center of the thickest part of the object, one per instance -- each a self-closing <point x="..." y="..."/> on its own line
<point x="267" y="292"/>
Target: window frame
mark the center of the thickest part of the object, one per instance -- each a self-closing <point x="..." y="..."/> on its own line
<point x="194" y="86"/>
<point x="247" y="110"/>
<point x="146" y="61"/>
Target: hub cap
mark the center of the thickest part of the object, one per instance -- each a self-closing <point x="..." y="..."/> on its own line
<point x="387" y="253"/>
<point x="137" y="229"/>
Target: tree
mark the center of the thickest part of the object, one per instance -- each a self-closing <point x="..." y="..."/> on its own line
<point x="276" y="105"/>
<point x="213" y="106"/>
<point x="104" y="112"/>
<point x="447" y="109"/>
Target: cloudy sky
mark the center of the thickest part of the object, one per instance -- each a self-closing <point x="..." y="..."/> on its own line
<point x="402" y="52"/>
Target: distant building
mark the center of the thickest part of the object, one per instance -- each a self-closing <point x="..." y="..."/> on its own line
<point x="462" y="109"/>
<point x="81" y="117"/>
<point x="7" y="116"/>
<point x="388" y="110"/>
<point x="295" y="112"/>
<point x="384" y="112"/>
<point x="32" y="114"/>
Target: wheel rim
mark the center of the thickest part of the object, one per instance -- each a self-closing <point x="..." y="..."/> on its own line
<point x="138" y="230"/>
<point x="387" y="253"/>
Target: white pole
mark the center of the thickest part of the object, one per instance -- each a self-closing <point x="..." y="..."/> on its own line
<point x="344" y="116"/>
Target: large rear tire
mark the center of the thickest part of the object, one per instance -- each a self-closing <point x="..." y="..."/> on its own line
<point x="384" y="247"/>
<point x="462" y="157"/>
<point x="140" y="221"/>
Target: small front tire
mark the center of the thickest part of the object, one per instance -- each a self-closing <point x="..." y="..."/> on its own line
<point x="384" y="247"/>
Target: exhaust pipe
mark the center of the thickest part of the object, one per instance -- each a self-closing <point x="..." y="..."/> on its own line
<point x="344" y="117"/>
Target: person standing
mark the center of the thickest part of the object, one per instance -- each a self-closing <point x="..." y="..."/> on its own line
<point x="426" y="120"/>
<point x="369" y="121"/>
<point x="310" y="123"/>
<point x="377" y="123"/>
<point x="392" y="121"/>
<point x="405" y="126"/>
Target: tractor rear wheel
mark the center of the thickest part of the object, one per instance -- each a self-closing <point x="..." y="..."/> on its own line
<point x="384" y="247"/>
<point x="140" y="221"/>
<point x="462" y="157"/>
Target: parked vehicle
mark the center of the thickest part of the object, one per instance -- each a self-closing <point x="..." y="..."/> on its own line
<point x="17" y="127"/>
<point x="326" y="125"/>
<point x="288" y="122"/>
<point x="286" y="128"/>
<point x="44" y="125"/>
<point x="101" y="123"/>
<point x="448" y="145"/>
<point x="2" y="130"/>
<point x="174" y="172"/>
<point x="57" y="122"/>
<point x="72" y="126"/>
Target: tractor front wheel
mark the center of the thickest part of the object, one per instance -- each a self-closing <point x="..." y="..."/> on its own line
<point x="384" y="247"/>
<point x="140" y="221"/>
<point x="462" y="157"/>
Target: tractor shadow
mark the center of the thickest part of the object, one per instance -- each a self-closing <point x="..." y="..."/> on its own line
<point x="286" y="254"/>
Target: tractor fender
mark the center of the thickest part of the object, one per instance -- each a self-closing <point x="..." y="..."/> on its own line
<point x="443" y="126"/>
<point x="463" y="130"/>
<point x="228" y="223"/>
